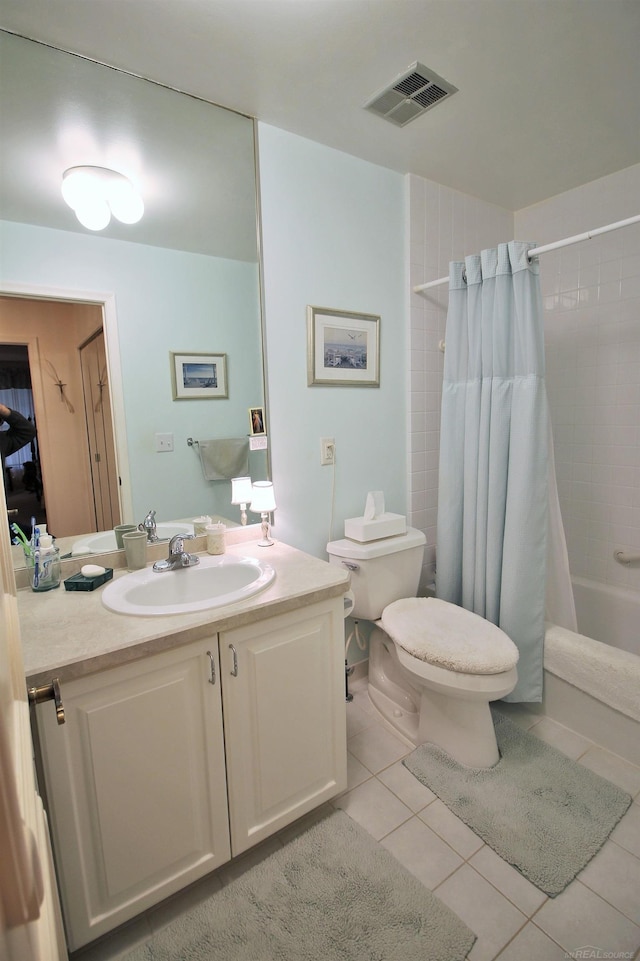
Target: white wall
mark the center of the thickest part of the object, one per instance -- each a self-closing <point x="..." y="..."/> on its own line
<point x="333" y="236"/>
<point x="444" y="225"/>
<point x="592" y="337"/>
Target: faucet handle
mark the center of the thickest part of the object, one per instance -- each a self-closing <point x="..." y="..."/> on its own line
<point x="176" y="544"/>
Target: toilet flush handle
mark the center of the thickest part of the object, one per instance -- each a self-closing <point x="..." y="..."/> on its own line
<point x="351" y="566"/>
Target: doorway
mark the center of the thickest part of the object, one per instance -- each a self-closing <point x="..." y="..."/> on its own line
<point x="54" y="331"/>
<point x="22" y="474"/>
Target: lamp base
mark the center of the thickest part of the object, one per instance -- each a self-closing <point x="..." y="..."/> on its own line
<point x="266" y="540"/>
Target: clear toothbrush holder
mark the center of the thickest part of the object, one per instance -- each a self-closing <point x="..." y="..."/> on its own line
<point x="45" y="570"/>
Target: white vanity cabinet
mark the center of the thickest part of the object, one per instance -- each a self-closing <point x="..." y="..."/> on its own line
<point x="284" y="718"/>
<point x="149" y="789"/>
<point x="135" y="783"/>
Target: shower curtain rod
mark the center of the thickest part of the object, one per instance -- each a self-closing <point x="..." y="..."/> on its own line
<point x="536" y="251"/>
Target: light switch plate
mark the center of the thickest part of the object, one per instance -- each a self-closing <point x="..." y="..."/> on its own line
<point x="164" y="442"/>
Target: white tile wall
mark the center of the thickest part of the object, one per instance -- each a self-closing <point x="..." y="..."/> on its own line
<point x="592" y="336"/>
<point x="444" y="225"/>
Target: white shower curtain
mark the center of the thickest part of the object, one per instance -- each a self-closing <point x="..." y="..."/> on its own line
<point x="493" y="500"/>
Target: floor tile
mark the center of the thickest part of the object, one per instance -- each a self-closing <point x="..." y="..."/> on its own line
<point x="357" y="718"/>
<point x="614" y="874"/>
<point x="613" y="768"/>
<point x="422" y="852"/>
<point x="518" y="714"/>
<point x="407" y="787"/>
<point x="560" y="737"/>
<point x="356" y="772"/>
<point x="579" y="917"/>
<point x="521" y="892"/>
<point x="451" y="829"/>
<point x="377" y="748"/>
<point x="374" y="807"/>
<point x="532" y="945"/>
<point x="494" y="919"/>
<point x="627" y="831"/>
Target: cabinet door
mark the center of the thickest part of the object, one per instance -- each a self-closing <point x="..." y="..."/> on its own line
<point x="284" y="718"/>
<point x="136" y="786"/>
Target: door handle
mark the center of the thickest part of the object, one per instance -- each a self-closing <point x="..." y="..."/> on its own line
<point x="212" y="668"/>
<point x="48" y="692"/>
<point x="234" y="672"/>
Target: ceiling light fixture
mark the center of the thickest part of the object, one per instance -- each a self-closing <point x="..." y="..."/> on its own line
<point x="95" y="193"/>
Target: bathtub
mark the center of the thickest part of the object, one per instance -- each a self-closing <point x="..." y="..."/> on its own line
<point x="592" y="679"/>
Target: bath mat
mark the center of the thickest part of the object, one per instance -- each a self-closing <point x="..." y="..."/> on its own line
<point x="539" y="810"/>
<point x="332" y="894"/>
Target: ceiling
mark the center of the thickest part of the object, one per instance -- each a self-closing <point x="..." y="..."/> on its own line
<point x="548" y="90"/>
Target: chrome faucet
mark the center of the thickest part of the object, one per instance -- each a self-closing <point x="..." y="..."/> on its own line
<point x="149" y="525"/>
<point x="178" y="557"/>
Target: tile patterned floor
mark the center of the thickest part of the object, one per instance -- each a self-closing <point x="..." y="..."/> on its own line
<point x="513" y="920"/>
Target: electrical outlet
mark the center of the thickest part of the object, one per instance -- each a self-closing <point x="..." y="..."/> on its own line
<point x="164" y="442"/>
<point x="327" y="451"/>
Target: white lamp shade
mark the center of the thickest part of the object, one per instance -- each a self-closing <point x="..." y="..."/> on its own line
<point x="262" y="498"/>
<point x="241" y="490"/>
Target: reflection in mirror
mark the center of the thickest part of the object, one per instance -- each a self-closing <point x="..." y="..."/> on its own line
<point x="101" y="313"/>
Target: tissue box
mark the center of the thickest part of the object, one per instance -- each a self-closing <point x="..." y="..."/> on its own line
<point x="385" y="525"/>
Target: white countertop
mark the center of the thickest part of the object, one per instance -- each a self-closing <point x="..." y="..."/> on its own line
<point x="69" y="634"/>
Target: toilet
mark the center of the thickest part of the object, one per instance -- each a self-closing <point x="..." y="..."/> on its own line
<point x="434" y="667"/>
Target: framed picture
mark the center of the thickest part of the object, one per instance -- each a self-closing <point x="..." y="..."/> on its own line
<point x="198" y="376"/>
<point x="256" y="421"/>
<point x="343" y="348"/>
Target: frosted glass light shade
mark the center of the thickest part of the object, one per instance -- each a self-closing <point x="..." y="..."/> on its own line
<point x="95" y="193"/>
<point x="241" y="491"/>
<point x="262" y="498"/>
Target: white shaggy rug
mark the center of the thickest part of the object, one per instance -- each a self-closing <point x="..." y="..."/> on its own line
<point x="332" y="894"/>
<point x="539" y="810"/>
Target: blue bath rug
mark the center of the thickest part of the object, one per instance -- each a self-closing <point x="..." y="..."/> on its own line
<point x="539" y="810"/>
<point x="331" y="894"/>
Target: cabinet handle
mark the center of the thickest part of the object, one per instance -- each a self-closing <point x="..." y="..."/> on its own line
<point x="234" y="672"/>
<point x="48" y="692"/>
<point x="212" y="668"/>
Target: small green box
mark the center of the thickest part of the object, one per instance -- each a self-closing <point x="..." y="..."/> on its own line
<point x="78" y="582"/>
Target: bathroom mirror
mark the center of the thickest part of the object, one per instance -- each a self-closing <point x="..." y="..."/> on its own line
<point x="185" y="279"/>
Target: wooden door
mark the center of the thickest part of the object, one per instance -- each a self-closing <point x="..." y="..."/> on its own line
<point x="102" y="456"/>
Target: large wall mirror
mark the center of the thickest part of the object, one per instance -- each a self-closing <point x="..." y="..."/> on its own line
<point x="97" y="316"/>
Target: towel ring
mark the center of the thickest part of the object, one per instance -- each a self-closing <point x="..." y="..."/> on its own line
<point x="191" y="442"/>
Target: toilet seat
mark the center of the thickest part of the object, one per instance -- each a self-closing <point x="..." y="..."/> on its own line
<point x="448" y="637"/>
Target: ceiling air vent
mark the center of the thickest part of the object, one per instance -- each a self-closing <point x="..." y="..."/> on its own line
<point x="410" y="95"/>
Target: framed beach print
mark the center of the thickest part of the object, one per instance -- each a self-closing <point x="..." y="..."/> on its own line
<point x="343" y="348"/>
<point x="198" y="376"/>
<point x="256" y="421"/>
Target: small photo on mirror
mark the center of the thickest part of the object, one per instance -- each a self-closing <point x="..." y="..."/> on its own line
<point x="256" y="421"/>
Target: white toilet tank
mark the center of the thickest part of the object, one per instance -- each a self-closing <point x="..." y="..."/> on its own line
<point x="381" y="571"/>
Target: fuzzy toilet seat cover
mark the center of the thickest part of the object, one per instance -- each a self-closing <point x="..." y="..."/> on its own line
<point x="447" y="635"/>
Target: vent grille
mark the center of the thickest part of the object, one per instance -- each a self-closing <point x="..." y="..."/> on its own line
<point x="410" y="95"/>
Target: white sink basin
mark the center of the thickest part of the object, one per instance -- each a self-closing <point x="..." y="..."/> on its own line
<point x="105" y="541"/>
<point x="214" y="582"/>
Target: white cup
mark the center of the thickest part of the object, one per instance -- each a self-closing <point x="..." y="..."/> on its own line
<point x="215" y="538"/>
<point x="200" y="524"/>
